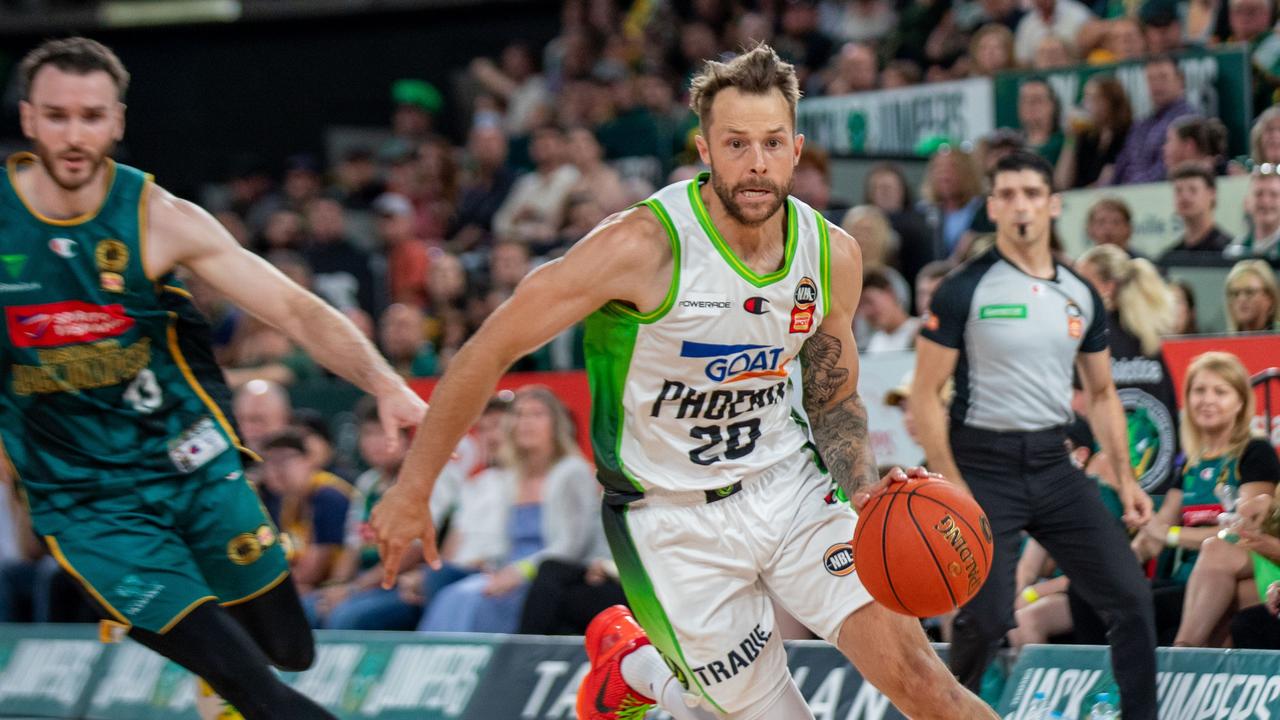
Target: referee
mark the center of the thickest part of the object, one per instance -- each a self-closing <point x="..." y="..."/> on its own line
<point x="1010" y="325"/>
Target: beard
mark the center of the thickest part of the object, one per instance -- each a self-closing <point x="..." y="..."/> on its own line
<point x="49" y="160"/>
<point x="728" y="196"/>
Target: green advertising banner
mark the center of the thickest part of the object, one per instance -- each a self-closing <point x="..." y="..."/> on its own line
<point x="64" y="672"/>
<point x="48" y="670"/>
<point x="1218" y="84"/>
<point x="1192" y="683"/>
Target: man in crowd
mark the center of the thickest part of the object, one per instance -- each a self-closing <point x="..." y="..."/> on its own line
<point x="1142" y="156"/>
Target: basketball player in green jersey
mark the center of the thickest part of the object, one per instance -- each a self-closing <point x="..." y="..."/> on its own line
<point x="696" y="303"/>
<point x="112" y="412"/>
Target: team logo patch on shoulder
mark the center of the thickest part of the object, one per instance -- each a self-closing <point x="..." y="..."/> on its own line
<point x="1075" y="321"/>
<point x="756" y="305"/>
<point x="806" y="297"/>
<point x="838" y="559"/>
<point x="930" y="321"/>
<point x="806" y="292"/>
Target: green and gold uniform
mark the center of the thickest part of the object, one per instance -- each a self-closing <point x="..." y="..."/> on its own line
<point x="115" y="416"/>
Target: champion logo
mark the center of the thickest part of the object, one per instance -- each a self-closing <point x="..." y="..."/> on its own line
<point x="756" y="305"/>
<point x="63" y="247"/>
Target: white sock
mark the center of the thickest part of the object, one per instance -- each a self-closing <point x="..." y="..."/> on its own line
<point x="646" y="673"/>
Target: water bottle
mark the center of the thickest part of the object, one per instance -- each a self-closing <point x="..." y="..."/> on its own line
<point x="1102" y="708"/>
<point x="1039" y="707"/>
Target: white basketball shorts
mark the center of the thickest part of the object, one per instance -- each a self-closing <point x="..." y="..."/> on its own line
<point x="699" y="570"/>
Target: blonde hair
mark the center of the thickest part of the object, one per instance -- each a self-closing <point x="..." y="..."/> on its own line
<point x="1142" y="299"/>
<point x="970" y="178"/>
<point x="1228" y="367"/>
<point x="562" y="428"/>
<point x="755" y="72"/>
<point x="879" y="242"/>
<point x="1268" y="116"/>
<point x="1261" y="270"/>
<point x="1003" y="33"/>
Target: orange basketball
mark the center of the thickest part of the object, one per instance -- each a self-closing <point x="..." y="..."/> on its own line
<point x="922" y="547"/>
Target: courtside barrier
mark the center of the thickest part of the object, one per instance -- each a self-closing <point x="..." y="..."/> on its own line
<point x="62" y="671"/>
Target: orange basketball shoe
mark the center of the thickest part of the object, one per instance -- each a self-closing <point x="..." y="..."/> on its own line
<point x="604" y="694"/>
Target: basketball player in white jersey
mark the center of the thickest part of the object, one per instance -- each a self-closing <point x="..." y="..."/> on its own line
<point x="699" y="303"/>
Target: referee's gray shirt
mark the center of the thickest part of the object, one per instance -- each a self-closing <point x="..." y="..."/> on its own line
<point x="1018" y="337"/>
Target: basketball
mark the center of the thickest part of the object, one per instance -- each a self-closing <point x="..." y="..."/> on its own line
<point x="922" y="547"/>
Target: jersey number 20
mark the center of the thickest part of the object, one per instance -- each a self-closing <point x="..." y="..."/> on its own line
<point x="741" y="441"/>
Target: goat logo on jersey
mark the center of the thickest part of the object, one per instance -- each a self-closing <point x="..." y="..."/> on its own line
<point x="732" y="363"/>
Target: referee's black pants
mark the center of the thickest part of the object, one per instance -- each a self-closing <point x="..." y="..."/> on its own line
<point x="1025" y="481"/>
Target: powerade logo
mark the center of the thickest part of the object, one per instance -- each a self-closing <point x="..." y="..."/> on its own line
<point x="731" y="363"/>
<point x="65" y="323"/>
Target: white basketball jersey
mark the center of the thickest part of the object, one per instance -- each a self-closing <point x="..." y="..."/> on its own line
<point x="696" y="394"/>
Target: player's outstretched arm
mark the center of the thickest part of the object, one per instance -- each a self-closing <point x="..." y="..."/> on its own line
<point x="627" y="258"/>
<point x="837" y="417"/>
<point x="182" y="233"/>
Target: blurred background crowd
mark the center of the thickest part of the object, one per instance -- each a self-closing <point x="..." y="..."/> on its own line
<point x="418" y="229"/>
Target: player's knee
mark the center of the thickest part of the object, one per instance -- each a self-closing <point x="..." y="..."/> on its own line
<point x="292" y="654"/>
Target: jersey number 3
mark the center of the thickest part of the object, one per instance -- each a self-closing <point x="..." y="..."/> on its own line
<point x="741" y="441"/>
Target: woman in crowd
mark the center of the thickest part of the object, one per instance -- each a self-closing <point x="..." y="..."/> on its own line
<point x="887" y="189"/>
<point x="1220" y="450"/>
<point x="1253" y="297"/>
<point x="554" y="513"/>
<point x="991" y="50"/>
<point x="1039" y="113"/>
<point x="1264" y="140"/>
<point x="953" y="195"/>
<point x="1093" y="139"/>
<point x="1140" y="309"/>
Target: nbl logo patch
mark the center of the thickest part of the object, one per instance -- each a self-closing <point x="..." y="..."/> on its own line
<point x="806" y="297"/>
<point x="838" y="559"/>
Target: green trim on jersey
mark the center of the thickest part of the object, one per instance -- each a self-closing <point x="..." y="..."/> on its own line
<point x="669" y="301"/>
<point x="644" y="601"/>
<point x="609" y="340"/>
<point x="824" y="261"/>
<point x="704" y="219"/>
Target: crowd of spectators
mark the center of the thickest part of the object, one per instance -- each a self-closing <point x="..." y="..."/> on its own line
<point x="419" y="238"/>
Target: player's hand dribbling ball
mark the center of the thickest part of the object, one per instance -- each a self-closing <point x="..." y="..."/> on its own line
<point x="922" y="547"/>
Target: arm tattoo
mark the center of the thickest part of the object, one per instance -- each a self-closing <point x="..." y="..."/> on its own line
<point x="839" y="425"/>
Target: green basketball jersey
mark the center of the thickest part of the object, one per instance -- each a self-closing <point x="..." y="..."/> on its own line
<point x="110" y="386"/>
